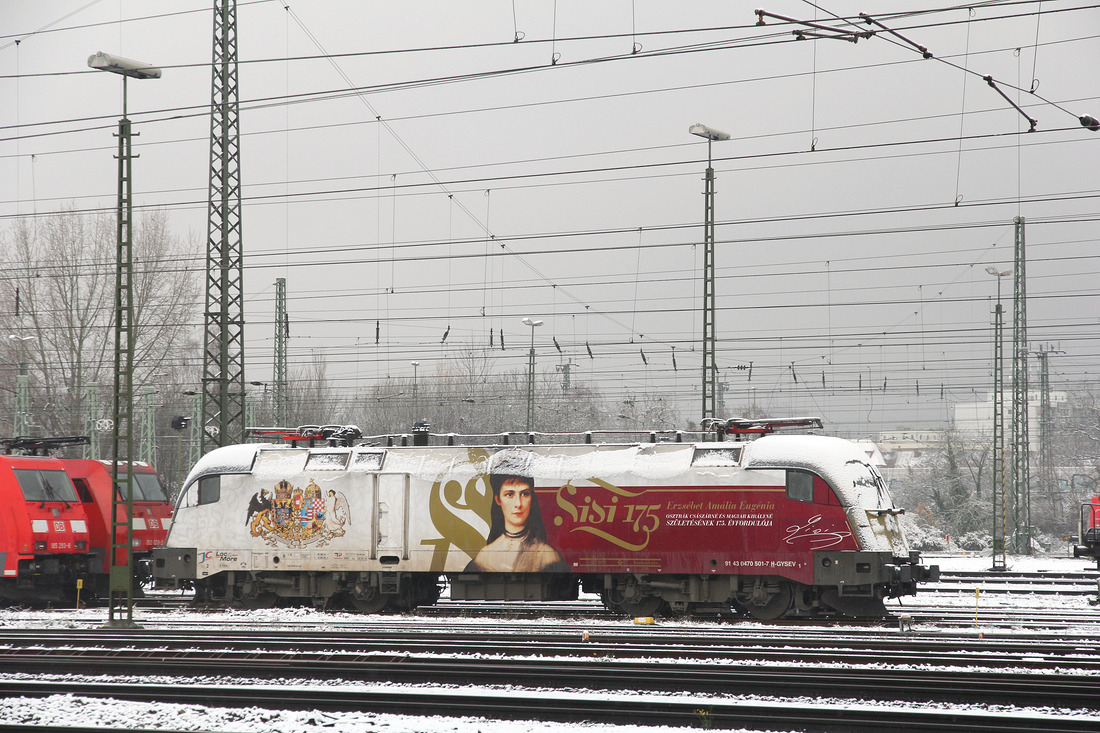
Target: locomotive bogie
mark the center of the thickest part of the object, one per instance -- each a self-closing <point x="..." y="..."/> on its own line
<point x="365" y="592"/>
<point x="783" y="525"/>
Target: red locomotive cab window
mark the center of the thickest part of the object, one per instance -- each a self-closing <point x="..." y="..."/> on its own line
<point x="145" y="486"/>
<point x="800" y="486"/>
<point x="45" y="486"/>
<point x="149" y="487"/>
<point x="810" y="488"/>
<point x="83" y="491"/>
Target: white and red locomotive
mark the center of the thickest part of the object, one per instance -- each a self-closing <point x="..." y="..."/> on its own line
<point x="782" y="525"/>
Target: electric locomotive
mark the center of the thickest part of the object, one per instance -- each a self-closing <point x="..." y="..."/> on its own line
<point x="73" y="558"/>
<point x="782" y="525"/>
<point x="152" y="516"/>
<point x="44" y="539"/>
<point x="1088" y="530"/>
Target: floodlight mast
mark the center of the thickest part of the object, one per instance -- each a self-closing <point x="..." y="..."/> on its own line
<point x="708" y="132"/>
<point x="531" y="375"/>
<point x="710" y="365"/>
<point x="127" y="67"/>
<point x="120" y="579"/>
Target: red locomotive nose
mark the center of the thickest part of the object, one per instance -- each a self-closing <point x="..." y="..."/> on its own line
<point x="44" y="538"/>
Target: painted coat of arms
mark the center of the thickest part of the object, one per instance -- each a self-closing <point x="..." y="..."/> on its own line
<point x="296" y="516"/>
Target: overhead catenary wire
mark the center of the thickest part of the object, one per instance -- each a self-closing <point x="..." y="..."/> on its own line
<point x="604" y="338"/>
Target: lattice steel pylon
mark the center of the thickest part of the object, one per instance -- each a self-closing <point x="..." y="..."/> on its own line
<point x="120" y="577"/>
<point x="710" y="332"/>
<point x="1021" y="467"/>
<point x="147" y="441"/>
<point x="22" y="404"/>
<point x="1000" y="508"/>
<point x="1047" y="477"/>
<point x="282" y="333"/>
<point x="91" y="421"/>
<point x="223" y="356"/>
<point x="710" y="365"/>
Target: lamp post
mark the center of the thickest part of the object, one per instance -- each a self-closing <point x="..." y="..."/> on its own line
<point x="122" y="559"/>
<point x="710" y="366"/>
<point x="195" y="426"/>
<point x="531" y="374"/>
<point x="416" y="395"/>
<point x="1000" y="508"/>
<point x="250" y="403"/>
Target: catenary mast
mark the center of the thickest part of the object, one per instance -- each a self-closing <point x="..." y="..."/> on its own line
<point x="223" y="355"/>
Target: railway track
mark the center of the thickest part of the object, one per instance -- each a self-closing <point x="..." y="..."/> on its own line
<point x="998" y="582"/>
<point x="635" y="709"/>
<point x="677" y="672"/>
<point x="38" y="648"/>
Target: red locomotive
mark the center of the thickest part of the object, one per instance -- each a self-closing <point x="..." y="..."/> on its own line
<point x="782" y="525"/>
<point x="55" y="523"/>
<point x="152" y="516"/>
<point x="44" y="538"/>
<point x="1088" y="530"/>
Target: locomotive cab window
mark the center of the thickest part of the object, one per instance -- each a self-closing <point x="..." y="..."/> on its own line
<point x="46" y="486"/>
<point x="800" y="486"/>
<point x="210" y="489"/>
<point x="149" y="487"/>
<point x="84" y="491"/>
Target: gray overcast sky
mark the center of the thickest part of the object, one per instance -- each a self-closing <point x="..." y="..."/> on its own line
<point x="863" y="193"/>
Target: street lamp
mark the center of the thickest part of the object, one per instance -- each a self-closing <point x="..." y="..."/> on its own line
<point x="531" y="374"/>
<point x="710" y="366"/>
<point x="250" y="402"/>
<point x="1000" y="508"/>
<point x="416" y="397"/>
<point x="121" y="576"/>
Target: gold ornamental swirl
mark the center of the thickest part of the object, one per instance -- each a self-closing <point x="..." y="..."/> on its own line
<point x="450" y="496"/>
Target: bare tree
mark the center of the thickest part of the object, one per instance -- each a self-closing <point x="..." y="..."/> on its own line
<point x="946" y="487"/>
<point x="60" y="284"/>
<point x="311" y="398"/>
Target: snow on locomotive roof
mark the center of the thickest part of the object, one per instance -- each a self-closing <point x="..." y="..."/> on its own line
<point x="843" y="464"/>
<point x="840" y="462"/>
<point x="643" y="461"/>
<point x="228" y="459"/>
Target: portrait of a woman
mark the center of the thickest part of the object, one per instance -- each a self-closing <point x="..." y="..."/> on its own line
<point x="517" y="535"/>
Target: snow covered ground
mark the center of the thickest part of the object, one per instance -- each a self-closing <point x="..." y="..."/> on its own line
<point x="75" y="710"/>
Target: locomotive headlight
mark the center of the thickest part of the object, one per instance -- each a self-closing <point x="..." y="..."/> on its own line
<point x="80" y="546"/>
<point x="826" y="562"/>
<point x="40" y="545"/>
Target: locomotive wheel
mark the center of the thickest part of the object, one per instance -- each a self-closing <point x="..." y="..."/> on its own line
<point x="369" y="601"/>
<point x="621" y="600"/>
<point x="767" y="601"/>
